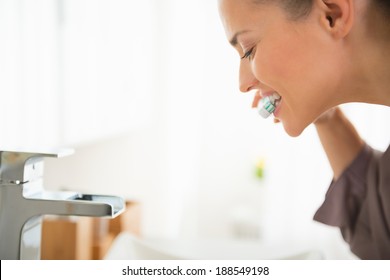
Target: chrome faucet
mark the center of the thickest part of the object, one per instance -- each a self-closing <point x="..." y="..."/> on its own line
<point x="23" y="202"/>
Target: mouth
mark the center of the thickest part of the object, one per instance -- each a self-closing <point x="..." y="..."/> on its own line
<point x="267" y="103"/>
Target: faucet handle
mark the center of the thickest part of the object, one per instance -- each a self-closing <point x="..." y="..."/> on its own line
<point x="19" y="167"/>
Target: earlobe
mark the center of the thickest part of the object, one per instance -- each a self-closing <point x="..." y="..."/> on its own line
<point x="338" y="16"/>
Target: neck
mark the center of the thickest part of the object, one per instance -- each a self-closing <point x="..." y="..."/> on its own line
<point x="372" y="76"/>
<point x="370" y="62"/>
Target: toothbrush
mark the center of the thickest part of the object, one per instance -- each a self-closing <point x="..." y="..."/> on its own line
<point x="267" y="105"/>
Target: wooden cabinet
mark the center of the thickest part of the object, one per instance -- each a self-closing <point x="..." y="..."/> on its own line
<point x="66" y="238"/>
<point x="83" y="238"/>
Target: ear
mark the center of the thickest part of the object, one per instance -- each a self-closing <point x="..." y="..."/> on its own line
<point x="338" y="16"/>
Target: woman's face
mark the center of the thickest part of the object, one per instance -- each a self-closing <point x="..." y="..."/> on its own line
<point x="298" y="59"/>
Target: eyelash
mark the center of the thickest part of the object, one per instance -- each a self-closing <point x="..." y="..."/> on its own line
<point x="248" y="54"/>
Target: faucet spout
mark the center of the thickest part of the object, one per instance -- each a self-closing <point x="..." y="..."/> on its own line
<point x="76" y="204"/>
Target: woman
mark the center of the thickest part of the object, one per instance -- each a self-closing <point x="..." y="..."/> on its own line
<point x="316" y="55"/>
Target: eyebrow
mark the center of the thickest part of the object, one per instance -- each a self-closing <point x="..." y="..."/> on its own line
<point x="234" y="41"/>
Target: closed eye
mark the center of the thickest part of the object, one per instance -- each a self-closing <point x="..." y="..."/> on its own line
<point x="248" y="54"/>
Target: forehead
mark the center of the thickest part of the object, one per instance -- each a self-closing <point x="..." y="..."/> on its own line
<point x="232" y="9"/>
<point x="237" y="15"/>
<point x="245" y="5"/>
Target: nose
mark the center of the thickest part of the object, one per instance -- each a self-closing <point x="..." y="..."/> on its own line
<point x="247" y="80"/>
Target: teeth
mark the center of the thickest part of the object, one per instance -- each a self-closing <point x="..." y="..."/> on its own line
<point x="276" y="96"/>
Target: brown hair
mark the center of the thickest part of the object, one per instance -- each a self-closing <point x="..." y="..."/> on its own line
<point x="297" y="9"/>
<point x="383" y="6"/>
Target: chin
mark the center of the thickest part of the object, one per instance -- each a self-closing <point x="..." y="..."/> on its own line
<point x="293" y="130"/>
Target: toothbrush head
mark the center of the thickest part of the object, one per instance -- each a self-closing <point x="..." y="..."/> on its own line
<point x="266" y="107"/>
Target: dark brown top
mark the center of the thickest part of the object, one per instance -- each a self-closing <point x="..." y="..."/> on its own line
<point x="359" y="204"/>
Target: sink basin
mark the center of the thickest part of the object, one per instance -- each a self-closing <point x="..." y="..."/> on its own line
<point x="127" y="246"/>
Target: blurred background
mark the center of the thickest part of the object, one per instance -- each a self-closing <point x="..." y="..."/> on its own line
<point x="146" y="92"/>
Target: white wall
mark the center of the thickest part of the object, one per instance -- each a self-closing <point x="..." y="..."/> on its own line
<point x="73" y="71"/>
<point x="29" y="67"/>
<point x="191" y="159"/>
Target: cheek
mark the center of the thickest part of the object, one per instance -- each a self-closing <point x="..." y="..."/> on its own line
<point x="292" y="67"/>
<point x="279" y="61"/>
